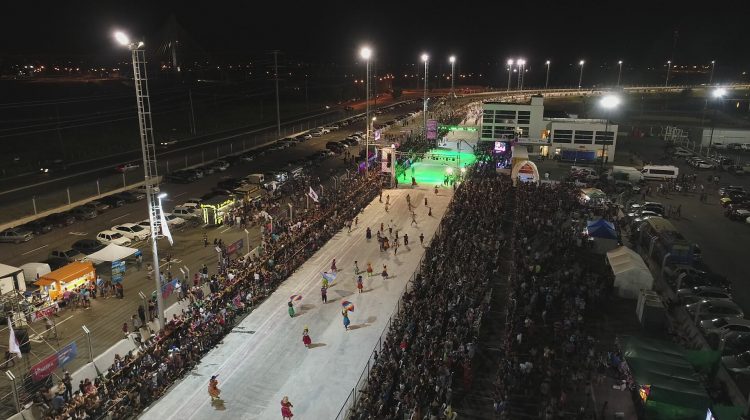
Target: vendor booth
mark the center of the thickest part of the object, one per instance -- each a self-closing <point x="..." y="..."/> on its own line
<point x="11" y="278"/>
<point x="216" y="209"/>
<point x="110" y="253"/>
<point x="603" y="234"/>
<point x="631" y="273"/>
<point x="68" y="277"/>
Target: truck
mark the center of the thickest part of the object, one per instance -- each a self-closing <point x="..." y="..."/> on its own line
<point x="255" y="178"/>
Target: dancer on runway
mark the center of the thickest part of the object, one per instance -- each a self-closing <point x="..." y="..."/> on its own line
<point x="286" y="409"/>
<point x="369" y="270"/>
<point x="333" y="265"/>
<point x="368" y="234"/>
<point x="291" y="309"/>
<point x="359" y="283"/>
<point x="324" y="294"/>
<point x="306" y="337"/>
<point x="213" y="388"/>
<point x="385" y="272"/>
<point x="345" y="314"/>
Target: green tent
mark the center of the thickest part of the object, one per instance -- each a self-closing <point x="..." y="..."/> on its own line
<point x="676" y="391"/>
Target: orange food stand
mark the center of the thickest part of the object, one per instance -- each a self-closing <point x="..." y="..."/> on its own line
<point x="69" y="276"/>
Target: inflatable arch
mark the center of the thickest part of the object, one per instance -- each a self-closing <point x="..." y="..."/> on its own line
<point x="521" y="166"/>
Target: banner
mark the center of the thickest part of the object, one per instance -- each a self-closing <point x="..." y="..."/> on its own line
<point x="44" y="313"/>
<point x="432" y="126"/>
<point x="312" y="194"/>
<point x="168" y="288"/>
<point x="13" y="346"/>
<point x="43" y="369"/>
<point x="118" y="270"/>
<point x="235" y="246"/>
<point x="377" y="135"/>
<point x="67" y="353"/>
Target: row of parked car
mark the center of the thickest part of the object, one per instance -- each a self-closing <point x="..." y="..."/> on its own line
<point x="720" y="162"/>
<point x="87" y="211"/>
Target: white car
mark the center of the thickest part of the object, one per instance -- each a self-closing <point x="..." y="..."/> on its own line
<point x="221" y="165"/>
<point x="682" y="152"/>
<point x="702" y="164"/>
<point x="111" y="237"/>
<point x="174" y="221"/>
<point x="132" y="231"/>
<point x="186" y="212"/>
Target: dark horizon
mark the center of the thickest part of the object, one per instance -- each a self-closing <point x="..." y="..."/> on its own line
<point x="642" y="35"/>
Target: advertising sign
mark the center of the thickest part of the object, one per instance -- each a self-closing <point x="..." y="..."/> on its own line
<point x="118" y="271"/>
<point x="235" y="246"/>
<point x="432" y="129"/>
<point x="67" y="353"/>
<point x="377" y="135"/>
<point x="44" y="313"/>
<point x="43" y="369"/>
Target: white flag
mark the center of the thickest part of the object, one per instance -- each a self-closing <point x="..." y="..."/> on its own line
<point x="313" y="195"/>
<point x="12" y="342"/>
<point x="165" y="227"/>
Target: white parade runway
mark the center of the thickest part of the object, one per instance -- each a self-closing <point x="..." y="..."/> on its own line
<point x="263" y="359"/>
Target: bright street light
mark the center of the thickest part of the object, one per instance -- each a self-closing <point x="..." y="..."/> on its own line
<point x="546" y="81"/>
<point x="521" y="63"/>
<point x="452" y="60"/>
<point x="425" y="58"/>
<point x="619" y="74"/>
<point x="669" y="67"/>
<point x="719" y="92"/>
<point x="148" y="146"/>
<point x="366" y="53"/>
<point x="580" y="77"/>
<point x="608" y="102"/>
<point x="510" y="71"/>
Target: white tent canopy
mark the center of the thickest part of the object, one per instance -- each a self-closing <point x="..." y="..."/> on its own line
<point x="631" y="273"/>
<point x="111" y="253"/>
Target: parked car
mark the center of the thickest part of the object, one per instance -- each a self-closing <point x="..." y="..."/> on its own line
<point x="739" y="363"/>
<point x="724" y="191"/>
<point x="132" y="231"/>
<point x="709" y="309"/>
<point x="182" y="177"/>
<point x="39" y="226"/>
<point x="704" y="292"/>
<point x="221" y="165"/>
<point x="61" y="219"/>
<point x="113" y="201"/>
<point x="69" y="255"/>
<point x="83" y="213"/>
<point x="131" y="196"/>
<point x="55" y="263"/>
<point x="16" y="235"/>
<point x="185" y="213"/>
<point x="735" y="342"/>
<point x="724" y="324"/>
<point x="87" y="246"/>
<point x="98" y="206"/>
<point x="111" y="237"/>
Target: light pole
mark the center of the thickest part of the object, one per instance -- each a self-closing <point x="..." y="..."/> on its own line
<point x="580" y="76"/>
<point x="247" y="241"/>
<point x="521" y="64"/>
<point x="718" y="93"/>
<point x="365" y="53"/>
<point x="148" y="147"/>
<point x="669" y="67"/>
<point x="608" y="102"/>
<point x="426" y="59"/>
<point x="619" y="74"/>
<point x="713" y="67"/>
<point x="510" y="71"/>
<point x="452" y="59"/>
<point x="546" y="81"/>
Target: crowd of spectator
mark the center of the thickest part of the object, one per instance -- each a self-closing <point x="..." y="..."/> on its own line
<point x="433" y="338"/>
<point x="554" y="289"/>
<point x="137" y="379"/>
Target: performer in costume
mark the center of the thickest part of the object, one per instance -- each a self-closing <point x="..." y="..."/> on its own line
<point x="291" y="309"/>
<point x="333" y="265"/>
<point x="359" y="283"/>
<point x="306" y="337"/>
<point x="385" y="271"/>
<point x="345" y="314"/>
<point x="213" y="388"/>
<point x="286" y="409"/>
<point x="369" y="270"/>
<point x="368" y="234"/>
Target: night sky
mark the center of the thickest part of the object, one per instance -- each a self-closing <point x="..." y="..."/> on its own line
<point x="641" y="33"/>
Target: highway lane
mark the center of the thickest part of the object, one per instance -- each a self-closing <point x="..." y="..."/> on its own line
<point x="39" y="247"/>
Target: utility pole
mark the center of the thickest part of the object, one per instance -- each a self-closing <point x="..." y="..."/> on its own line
<point x="276" y="78"/>
<point x="193" y="129"/>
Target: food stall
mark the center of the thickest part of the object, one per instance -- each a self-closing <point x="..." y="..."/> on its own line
<point x="216" y="208"/>
<point x="70" y="276"/>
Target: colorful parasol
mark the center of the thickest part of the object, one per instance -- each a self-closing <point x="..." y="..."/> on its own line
<point x="348" y="305"/>
<point x="295" y="298"/>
